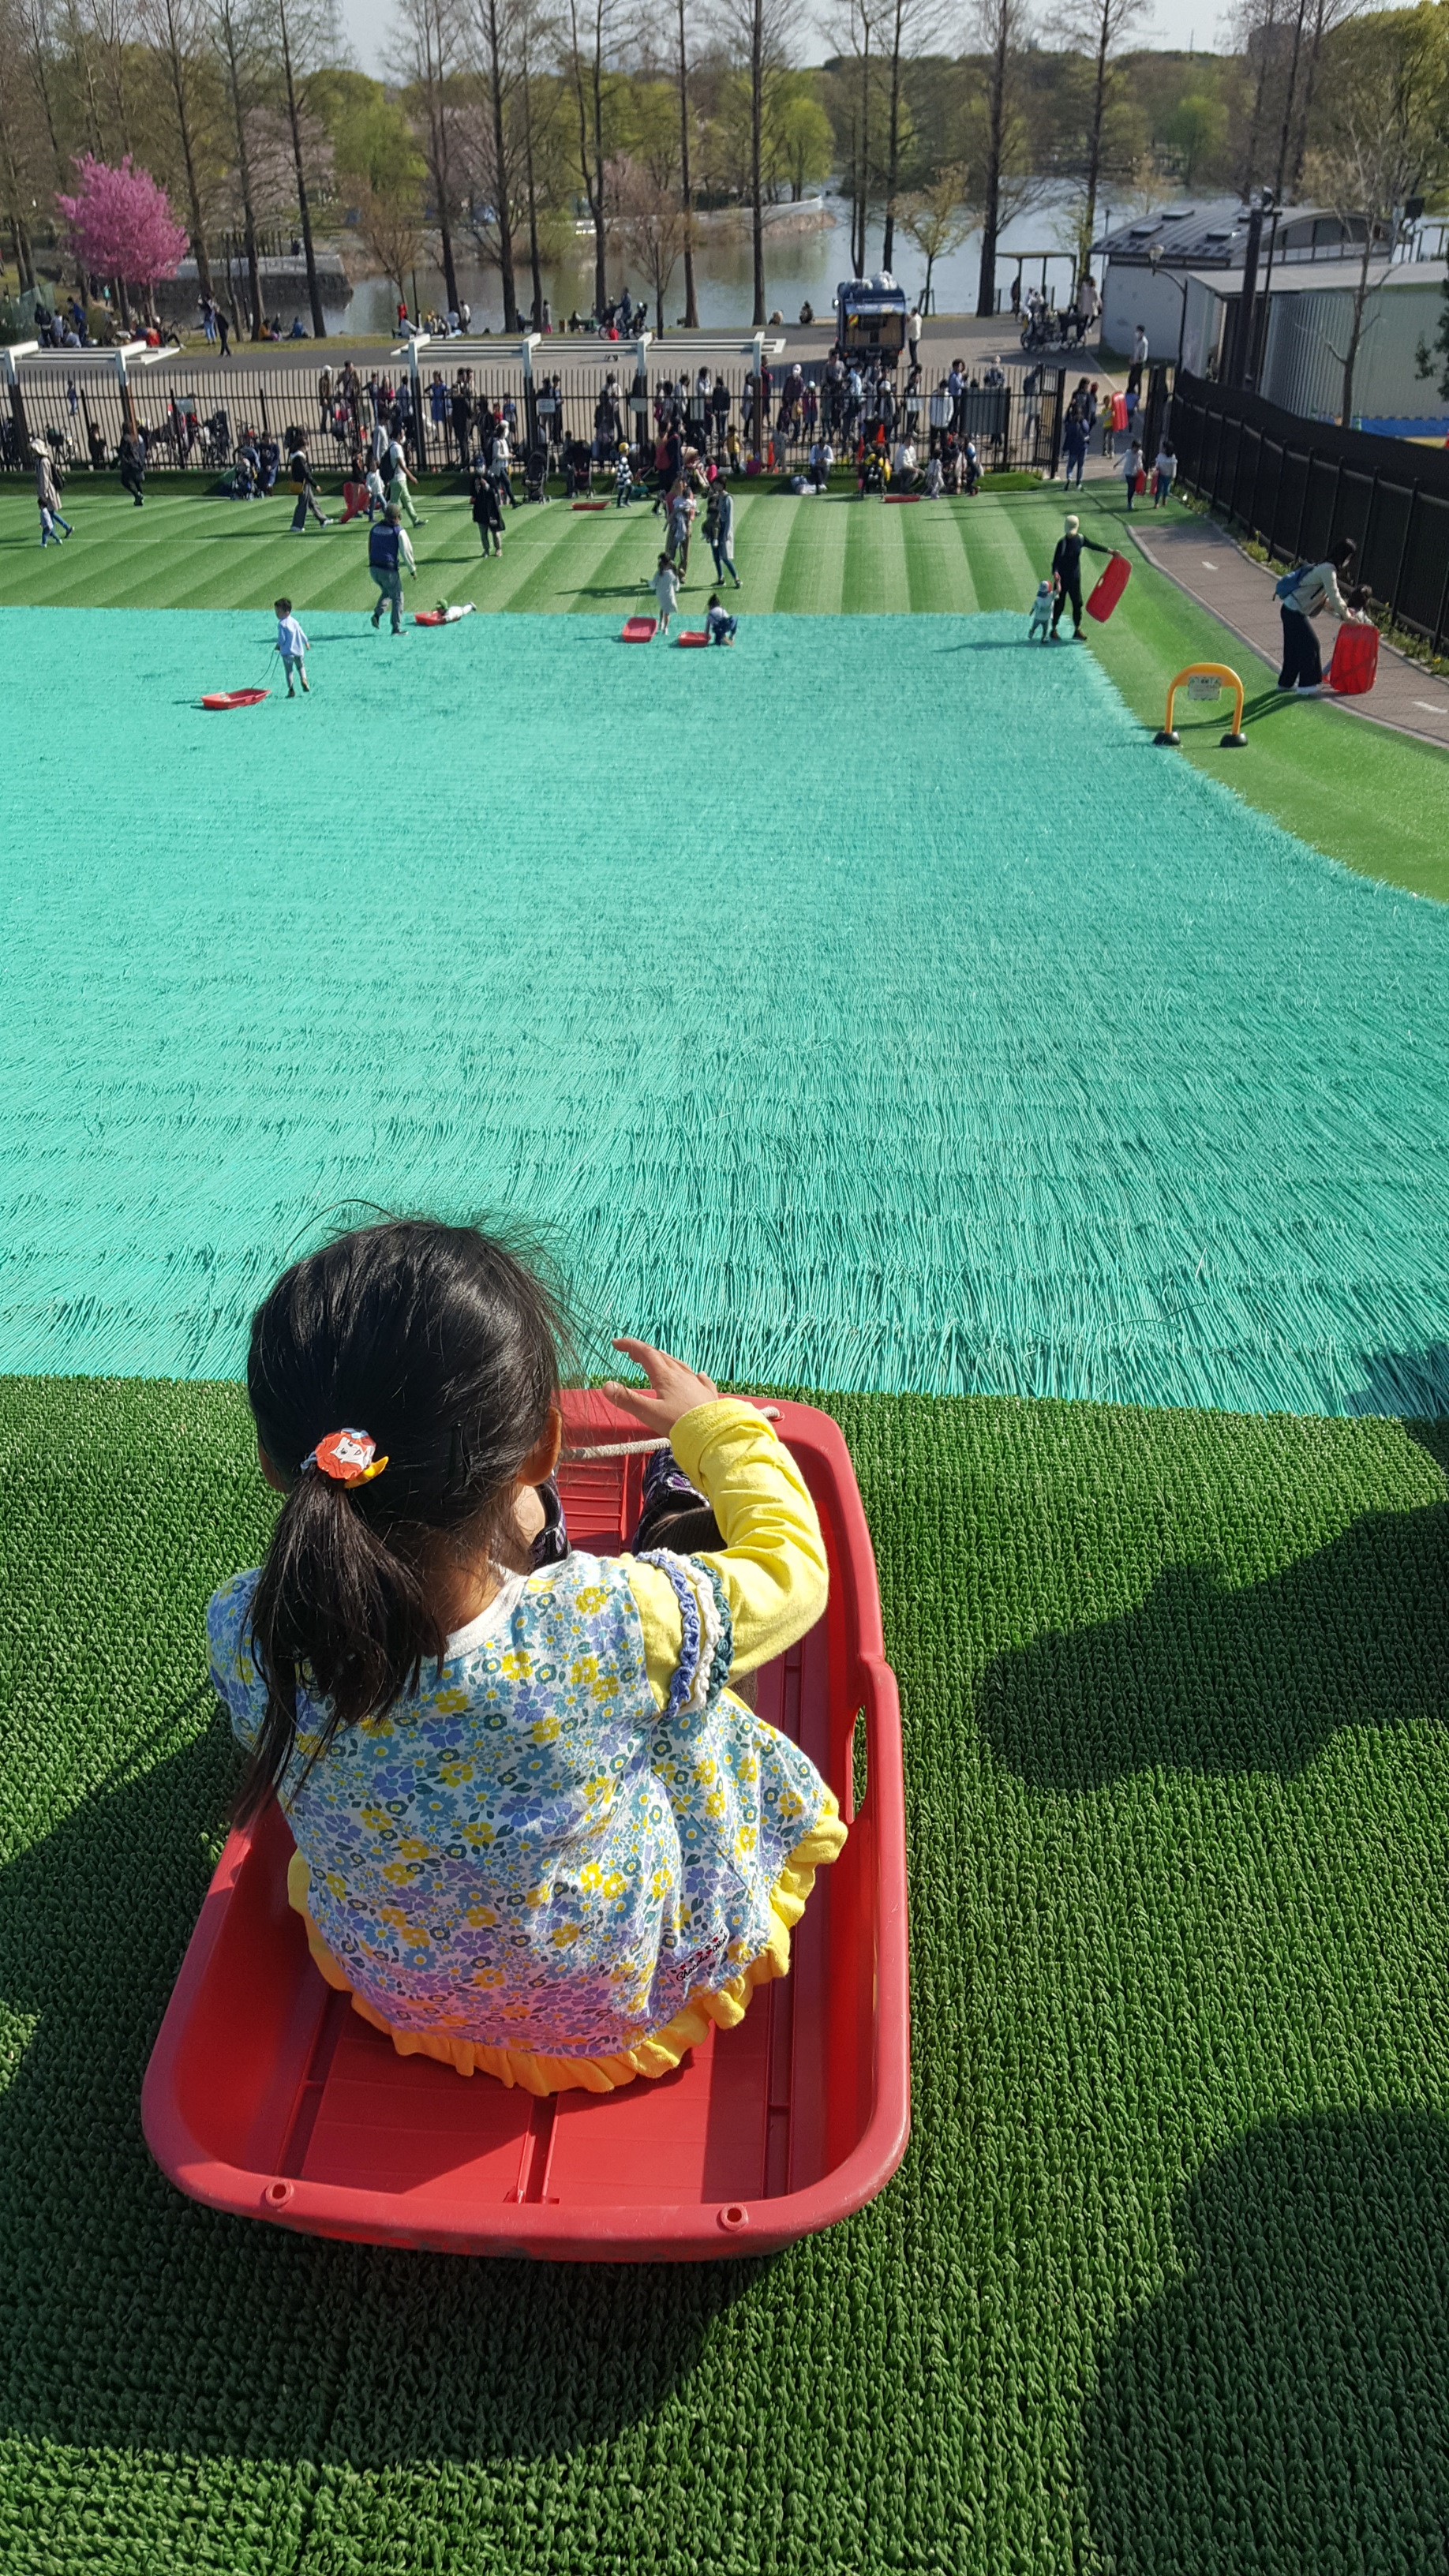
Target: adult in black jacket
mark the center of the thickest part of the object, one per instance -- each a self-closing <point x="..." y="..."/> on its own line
<point x="1067" y="576"/>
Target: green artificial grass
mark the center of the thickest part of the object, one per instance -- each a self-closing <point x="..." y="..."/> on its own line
<point x="1377" y="801"/>
<point x="836" y="1031"/>
<point x="1162" y="2288"/>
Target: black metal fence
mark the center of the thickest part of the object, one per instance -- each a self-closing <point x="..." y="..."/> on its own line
<point x="1298" y="485"/>
<point x="195" y="414"/>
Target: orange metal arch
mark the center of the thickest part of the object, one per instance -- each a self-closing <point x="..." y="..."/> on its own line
<point x="1213" y="671"/>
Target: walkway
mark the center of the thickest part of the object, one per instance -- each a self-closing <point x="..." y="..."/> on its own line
<point x="1211" y="567"/>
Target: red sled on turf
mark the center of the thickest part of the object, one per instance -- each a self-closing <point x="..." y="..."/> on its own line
<point x="905" y="496"/>
<point x="1109" y="589"/>
<point x="269" y="2097"/>
<point x="691" y="637"/>
<point x="1355" y="662"/>
<point x="236" y="698"/>
<point x="638" y="630"/>
<point x="591" y="505"/>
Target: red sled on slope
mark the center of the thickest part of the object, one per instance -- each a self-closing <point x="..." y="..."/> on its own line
<point x="1109" y="589"/>
<point x="1355" y="664"/>
<point x="269" y="2097"/>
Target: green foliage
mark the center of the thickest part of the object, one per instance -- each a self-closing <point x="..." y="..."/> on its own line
<point x="374" y="145"/>
<point x="1197" y="130"/>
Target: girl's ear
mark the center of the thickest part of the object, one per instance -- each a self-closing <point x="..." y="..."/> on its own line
<point x="543" y="1456"/>
<point x="269" y="1473"/>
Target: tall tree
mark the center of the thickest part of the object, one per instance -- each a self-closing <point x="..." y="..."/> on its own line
<point x="756" y="29"/>
<point x="304" y="34"/>
<point x="1002" y="28"/>
<point x="938" y="220"/>
<point x="176" y="33"/>
<point x="494" y="20"/>
<point x="1097" y="28"/>
<point x="686" y="193"/>
<point x="430" y="60"/>
<point x="1385" y="138"/>
<point x="906" y="27"/>
<point x="590" y="32"/>
<point x="237" y="51"/>
<point x="15" y="185"/>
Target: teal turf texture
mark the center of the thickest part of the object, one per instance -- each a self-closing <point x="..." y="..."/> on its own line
<point x="870" y="1007"/>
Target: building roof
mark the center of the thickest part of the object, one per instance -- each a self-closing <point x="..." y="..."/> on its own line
<point x="1214" y="234"/>
<point x="1309" y="278"/>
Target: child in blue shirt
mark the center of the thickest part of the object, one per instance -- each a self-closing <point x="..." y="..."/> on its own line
<point x="292" y="645"/>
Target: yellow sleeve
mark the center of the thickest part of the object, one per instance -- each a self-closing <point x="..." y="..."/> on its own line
<point x="772" y="1564"/>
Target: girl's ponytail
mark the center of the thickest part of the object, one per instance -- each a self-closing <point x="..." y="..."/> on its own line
<point x="445" y="1344"/>
<point x="335" y="1606"/>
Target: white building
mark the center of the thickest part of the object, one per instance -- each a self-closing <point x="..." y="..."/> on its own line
<point x="1148" y="262"/>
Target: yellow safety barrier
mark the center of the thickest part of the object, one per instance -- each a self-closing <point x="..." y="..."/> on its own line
<point x="1237" y="740"/>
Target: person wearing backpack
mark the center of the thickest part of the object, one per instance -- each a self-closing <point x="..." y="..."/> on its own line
<point x="1303" y="594"/>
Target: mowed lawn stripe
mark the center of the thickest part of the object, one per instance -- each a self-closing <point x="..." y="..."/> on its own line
<point x="812" y="576"/>
<point x="937" y="570"/>
<point x="875" y="561"/>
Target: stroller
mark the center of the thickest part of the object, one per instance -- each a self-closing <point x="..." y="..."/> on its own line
<point x="535" y="475"/>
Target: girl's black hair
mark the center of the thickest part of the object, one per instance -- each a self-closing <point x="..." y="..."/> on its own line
<point x="1343" y="553"/>
<point x="443" y="1345"/>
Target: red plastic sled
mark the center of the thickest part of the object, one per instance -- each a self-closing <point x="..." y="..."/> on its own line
<point x="1109" y="589"/>
<point x="236" y="698"/>
<point x="638" y="630"/>
<point x="267" y="2096"/>
<point x="1355" y="663"/>
<point x="905" y="496"/>
<point x="691" y="636"/>
<point x="591" y="505"/>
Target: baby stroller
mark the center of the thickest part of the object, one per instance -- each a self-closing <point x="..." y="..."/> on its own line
<point x="535" y="475"/>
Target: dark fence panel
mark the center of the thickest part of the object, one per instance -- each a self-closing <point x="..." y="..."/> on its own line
<point x="1299" y="485"/>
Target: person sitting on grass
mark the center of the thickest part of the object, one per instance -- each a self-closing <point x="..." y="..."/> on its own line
<point x="562" y="1886"/>
<point x="719" y="626"/>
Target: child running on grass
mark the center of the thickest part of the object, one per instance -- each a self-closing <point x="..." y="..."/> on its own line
<point x="536" y="1834"/>
<point x="292" y="645"/>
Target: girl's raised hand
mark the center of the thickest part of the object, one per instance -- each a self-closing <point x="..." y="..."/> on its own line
<point x="673" y="1388"/>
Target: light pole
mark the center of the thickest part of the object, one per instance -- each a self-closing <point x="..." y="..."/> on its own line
<point x="1154" y="261"/>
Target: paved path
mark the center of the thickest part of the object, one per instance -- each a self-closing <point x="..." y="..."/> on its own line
<point x="1207" y="563"/>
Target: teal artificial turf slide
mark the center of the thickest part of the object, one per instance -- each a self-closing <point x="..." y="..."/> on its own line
<point x="869" y="1006"/>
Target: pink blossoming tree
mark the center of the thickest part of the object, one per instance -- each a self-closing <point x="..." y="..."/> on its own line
<point x="120" y="223"/>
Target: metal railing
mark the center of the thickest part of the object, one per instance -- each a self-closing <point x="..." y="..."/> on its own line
<point x="572" y="405"/>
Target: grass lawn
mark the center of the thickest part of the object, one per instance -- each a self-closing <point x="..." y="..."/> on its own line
<point x="1163" y="2286"/>
<point x="1369" y="798"/>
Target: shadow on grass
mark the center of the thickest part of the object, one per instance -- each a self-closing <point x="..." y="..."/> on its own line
<point x="1202" y="1676"/>
<point x="1285" y="2406"/>
<point x="133" y="2318"/>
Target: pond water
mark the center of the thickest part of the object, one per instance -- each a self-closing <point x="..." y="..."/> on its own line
<point x="800" y="266"/>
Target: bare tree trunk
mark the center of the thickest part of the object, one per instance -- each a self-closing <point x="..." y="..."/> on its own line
<point x="1310" y="83"/>
<point x="1266" y="27"/>
<point x="304" y="211"/>
<point x="494" y="36"/>
<point x="1094" y="134"/>
<point x="893" y="138"/>
<point x="757" y="138"/>
<point x="185" y="128"/>
<point x="1360" y="298"/>
<point x="995" y="149"/>
<point x="691" y="305"/>
<point x="535" y="265"/>
<point x="862" y="161"/>
<point x="601" y="276"/>
<point x="227" y="27"/>
<point x="1281" y="172"/>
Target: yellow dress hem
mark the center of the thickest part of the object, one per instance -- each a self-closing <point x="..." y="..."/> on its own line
<point x="724" y="2006"/>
